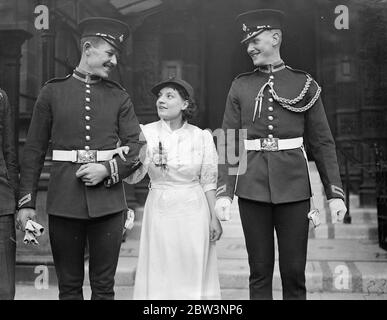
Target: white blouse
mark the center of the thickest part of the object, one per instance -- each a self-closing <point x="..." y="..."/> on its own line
<point x="172" y="158"/>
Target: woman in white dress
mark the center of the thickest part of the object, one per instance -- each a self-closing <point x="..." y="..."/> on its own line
<point x="177" y="256"/>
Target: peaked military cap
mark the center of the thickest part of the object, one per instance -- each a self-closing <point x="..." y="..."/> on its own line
<point x="256" y="21"/>
<point x="113" y="31"/>
<point x="173" y="80"/>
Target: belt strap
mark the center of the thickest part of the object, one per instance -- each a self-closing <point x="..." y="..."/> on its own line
<point x="82" y="156"/>
<point x="312" y="206"/>
<point x="273" y="144"/>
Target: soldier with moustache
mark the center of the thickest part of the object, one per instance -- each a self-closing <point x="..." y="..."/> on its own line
<point x="280" y="108"/>
<point x="85" y="115"/>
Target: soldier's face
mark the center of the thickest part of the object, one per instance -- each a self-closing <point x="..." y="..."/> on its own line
<point x="101" y="59"/>
<point x="170" y="104"/>
<point x="261" y="48"/>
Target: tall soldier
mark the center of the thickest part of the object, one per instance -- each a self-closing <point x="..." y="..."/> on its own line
<point x="85" y="115"/>
<point x="9" y="178"/>
<point x="278" y="106"/>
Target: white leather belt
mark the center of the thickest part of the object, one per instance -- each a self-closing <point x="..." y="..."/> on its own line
<point x="82" y="156"/>
<point x="273" y="144"/>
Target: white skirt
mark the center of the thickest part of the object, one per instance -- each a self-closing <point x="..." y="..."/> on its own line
<point x="176" y="259"/>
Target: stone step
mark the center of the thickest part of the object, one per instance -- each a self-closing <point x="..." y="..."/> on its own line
<point x="363" y="226"/>
<point x="321" y="276"/>
<point x="324" y="231"/>
<point x="29" y="292"/>
<point x="333" y="266"/>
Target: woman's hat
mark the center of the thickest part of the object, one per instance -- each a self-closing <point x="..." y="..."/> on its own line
<point x="173" y="80"/>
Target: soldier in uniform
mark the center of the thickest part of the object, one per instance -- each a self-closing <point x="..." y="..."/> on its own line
<point x="9" y="178"/>
<point x="85" y="115"/>
<point x="278" y="106"/>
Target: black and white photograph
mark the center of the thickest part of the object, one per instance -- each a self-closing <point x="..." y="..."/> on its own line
<point x="199" y="152"/>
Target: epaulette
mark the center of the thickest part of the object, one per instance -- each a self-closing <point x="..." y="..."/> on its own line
<point x="57" y="79"/>
<point x="299" y="71"/>
<point x="304" y="73"/>
<point x="116" y="84"/>
<point x="245" y="74"/>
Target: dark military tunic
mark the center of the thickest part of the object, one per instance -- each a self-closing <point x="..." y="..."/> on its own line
<point x="9" y="175"/>
<point x="291" y="107"/>
<point x="79" y="114"/>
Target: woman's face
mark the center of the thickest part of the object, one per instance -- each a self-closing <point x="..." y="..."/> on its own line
<point x="170" y="104"/>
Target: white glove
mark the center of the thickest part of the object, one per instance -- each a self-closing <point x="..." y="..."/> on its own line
<point x="129" y="222"/>
<point x="338" y="209"/>
<point x="222" y="208"/>
<point x="32" y="231"/>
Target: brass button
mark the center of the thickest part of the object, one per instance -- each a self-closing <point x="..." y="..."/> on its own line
<point x="87" y="86"/>
<point x="270" y="118"/>
<point x="271" y="77"/>
<point x="270" y="136"/>
<point x="87" y="99"/>
<point x="270" y="99"/>
<point x="87" y="118"/>
<point x="87" y="127"/>
<point x="270" y="127"/>
<point x="270" y="108"/>
<point x="88" y="91"/>
<point x="87" y="138"/>
<point x="87" y="148"/>
<point x="87" y="108"/>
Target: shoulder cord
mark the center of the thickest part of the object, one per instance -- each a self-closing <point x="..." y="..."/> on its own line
<point x="285" y="103"/>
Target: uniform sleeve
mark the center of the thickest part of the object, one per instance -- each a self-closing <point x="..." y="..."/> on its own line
<point x="9" y="143"/>
<point x="129" y="134"/>
<point x="209" y="168"/>
<point x="322" y="146"/>
<point x="35" y="149"/>
<point x="144" y="156"/>
<point x="228" y="138"/>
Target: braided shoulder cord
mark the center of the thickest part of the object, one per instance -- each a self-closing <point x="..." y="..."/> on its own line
<point x="298" y="98"/>
<point x="307" y="106"/>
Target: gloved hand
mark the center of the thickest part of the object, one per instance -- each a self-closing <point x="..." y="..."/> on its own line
<point x="222" y="208"/>
<point x="338" y="209"/>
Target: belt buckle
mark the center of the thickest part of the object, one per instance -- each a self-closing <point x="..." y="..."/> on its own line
<point x="86" y="156"/>
<point x="269" y="144"/>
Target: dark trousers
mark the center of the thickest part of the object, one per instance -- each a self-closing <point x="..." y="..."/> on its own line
<point x="291" y="224"/>
<point x="7" y="257"/>
<point x="68" y="239"/>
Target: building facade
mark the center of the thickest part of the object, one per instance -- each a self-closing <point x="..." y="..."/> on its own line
<point x="342" y="44"/>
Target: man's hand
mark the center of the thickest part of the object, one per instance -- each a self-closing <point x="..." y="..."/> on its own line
<point x="222" y="208"/>
<point x="23" y="216"/>
<point x="338" y="209"/>
<point x="120" y="151"/>
<point x="92" y="173"/>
